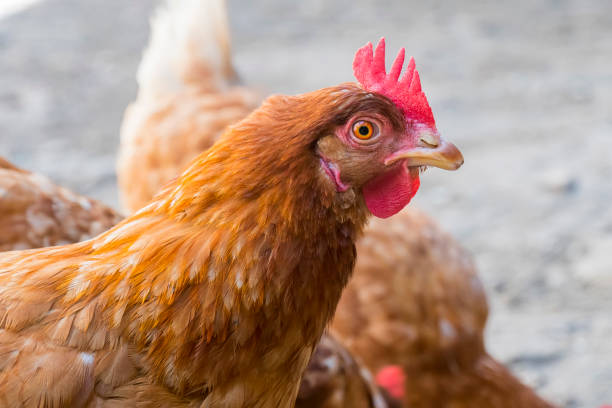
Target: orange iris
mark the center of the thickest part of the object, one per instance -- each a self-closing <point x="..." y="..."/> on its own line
<point x="363" y="130"/>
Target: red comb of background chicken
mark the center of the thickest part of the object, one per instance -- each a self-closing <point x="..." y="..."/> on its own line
<point x="406" y="93"/>
<point x="392" y="379"/>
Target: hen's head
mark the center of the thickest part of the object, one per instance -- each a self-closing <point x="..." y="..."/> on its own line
<point x="370" y="139"/>
<point x="385" y="135"/>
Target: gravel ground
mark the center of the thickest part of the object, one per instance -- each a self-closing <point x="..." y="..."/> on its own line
<point x="523" y="87"/>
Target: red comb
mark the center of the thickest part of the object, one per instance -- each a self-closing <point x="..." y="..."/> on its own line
<point x="369" y="69"/>
<point x="392" y="378"/>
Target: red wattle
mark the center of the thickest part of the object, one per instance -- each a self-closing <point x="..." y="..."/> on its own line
<point x="388" y="193"/>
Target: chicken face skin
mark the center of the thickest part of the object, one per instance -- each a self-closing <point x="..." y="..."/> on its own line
<point x="352" y="162"/>
<point x="384" y="165"/>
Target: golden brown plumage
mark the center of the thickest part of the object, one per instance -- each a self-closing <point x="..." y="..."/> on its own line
<point x="333" y="379"/>
<point x="188" y="94"/>
<point x="35" y="213"/>
<point x="196" y="296"/>
<point x="415" y="301"/>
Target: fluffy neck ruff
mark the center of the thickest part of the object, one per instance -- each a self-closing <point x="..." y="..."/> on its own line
<point x="274" y="230"/>
<point x="260" y="198"/>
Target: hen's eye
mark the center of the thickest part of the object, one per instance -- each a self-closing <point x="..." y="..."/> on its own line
<point x="363" y="130"/>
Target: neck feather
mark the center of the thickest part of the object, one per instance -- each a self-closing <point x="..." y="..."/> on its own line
<point x="249" y="225"/>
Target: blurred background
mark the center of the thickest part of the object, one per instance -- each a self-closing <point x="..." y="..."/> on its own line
<point x="523" y="87"/>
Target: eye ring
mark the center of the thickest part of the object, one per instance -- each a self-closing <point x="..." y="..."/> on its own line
<point x="364" y="130"/>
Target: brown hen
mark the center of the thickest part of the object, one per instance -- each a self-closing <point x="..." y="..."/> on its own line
<point x="216" y="292"/>
<point x="333" y="379"/>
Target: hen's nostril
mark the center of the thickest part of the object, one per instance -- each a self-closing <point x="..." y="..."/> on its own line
<point x="429" y="143"/>
<point x="429" y="139"/>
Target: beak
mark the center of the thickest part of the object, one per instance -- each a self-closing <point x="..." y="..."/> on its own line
<point x="430" y="151"/>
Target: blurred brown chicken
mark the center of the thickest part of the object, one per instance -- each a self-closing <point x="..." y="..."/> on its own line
<point x="35" y="213"/>
<point x="188" y="94"/>
<point x="415" y="312"/>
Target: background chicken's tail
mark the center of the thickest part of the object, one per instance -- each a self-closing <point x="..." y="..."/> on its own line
<point x="5" y="164"/>
<point x="188" y="94"/>
<point x="189" y="46"/>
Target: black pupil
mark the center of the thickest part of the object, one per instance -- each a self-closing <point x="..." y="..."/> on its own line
<point x="363" y="130"/>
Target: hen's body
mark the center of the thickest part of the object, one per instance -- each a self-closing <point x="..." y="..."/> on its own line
<point x="35" y="213"/>
<point x="416" y="301"/>
<point x="333" y="379"/>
